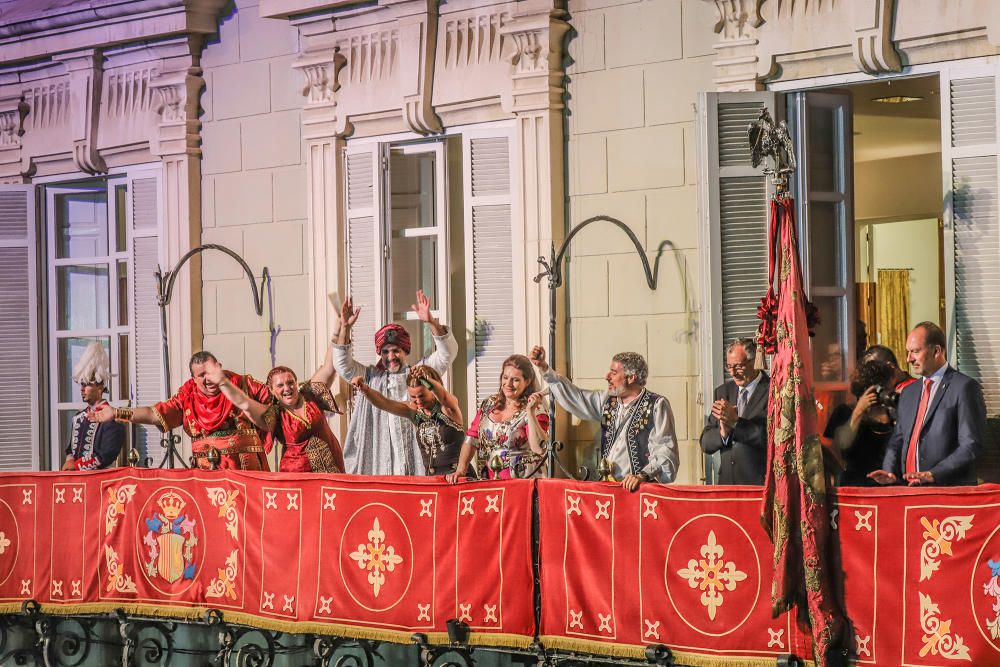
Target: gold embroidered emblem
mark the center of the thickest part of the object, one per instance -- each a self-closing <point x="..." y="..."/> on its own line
<point x="712" y="575"/>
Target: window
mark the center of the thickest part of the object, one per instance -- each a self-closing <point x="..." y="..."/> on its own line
<point x="87" y="277"/>
<point x="434" y="215"/>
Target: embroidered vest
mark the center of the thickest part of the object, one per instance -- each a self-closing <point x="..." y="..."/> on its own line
<point x="637" y="428"/>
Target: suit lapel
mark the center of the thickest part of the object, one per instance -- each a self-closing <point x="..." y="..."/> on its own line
<point x="938" y="397"/>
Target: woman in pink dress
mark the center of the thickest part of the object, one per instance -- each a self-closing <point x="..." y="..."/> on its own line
<point x="509" y="430"/>
<point x="296" y="417"/>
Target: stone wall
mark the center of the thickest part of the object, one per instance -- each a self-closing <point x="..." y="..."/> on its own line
<point x="636" y="71"/>
<point x="254" y="190"/>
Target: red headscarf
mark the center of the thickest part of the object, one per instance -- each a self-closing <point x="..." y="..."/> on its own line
<point x="392" y="334"/>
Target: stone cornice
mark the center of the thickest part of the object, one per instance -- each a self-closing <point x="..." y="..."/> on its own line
<point x="410" y="66"/>
<point x="27" y="35"/>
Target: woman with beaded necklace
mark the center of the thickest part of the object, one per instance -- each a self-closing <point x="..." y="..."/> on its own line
<point x="295" y="417"/>
<point x="510" y="426"/>
<point x="434" y="412"/>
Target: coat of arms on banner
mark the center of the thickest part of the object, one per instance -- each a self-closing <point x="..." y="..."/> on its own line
<point x="170" y="540"/>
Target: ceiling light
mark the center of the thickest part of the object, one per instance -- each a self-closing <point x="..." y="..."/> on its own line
<point x="896" y="99"/>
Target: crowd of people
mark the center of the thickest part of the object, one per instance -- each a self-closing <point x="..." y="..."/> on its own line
<point x="901" y="429"/>
<point x="404" y="421"/>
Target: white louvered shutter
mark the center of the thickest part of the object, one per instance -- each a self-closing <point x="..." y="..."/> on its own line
<point x="733" y="231"/>
<point x="148" y="386"/>
<point x="970" y="154"/>
<point x="364" y="194"/>
<point x="489" y="272"/>
<point x="19" y="334"/>
<point x="734" y="222"/>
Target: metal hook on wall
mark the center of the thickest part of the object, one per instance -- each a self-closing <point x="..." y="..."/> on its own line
<point x="164" y="291"/>
<point x="553" y="271"/>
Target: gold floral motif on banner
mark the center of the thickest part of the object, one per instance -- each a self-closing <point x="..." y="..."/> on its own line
<point x="938" y="537"/>
<point x="226" y="502"/>
<point x="118" y="497"/>
<point x="225" y="584"/>
<point x="937" y="638"/>
<point x="377" y="557"/>
<point x="712" y="575"/>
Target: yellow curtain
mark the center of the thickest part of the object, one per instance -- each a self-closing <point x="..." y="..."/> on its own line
<point x="893" y="305"/>
<point x="867" y="315"/>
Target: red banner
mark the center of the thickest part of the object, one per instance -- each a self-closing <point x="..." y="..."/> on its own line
<point x="691" y="568"/>
<point x="686" y="567"/>
<point x="362" y="557"/>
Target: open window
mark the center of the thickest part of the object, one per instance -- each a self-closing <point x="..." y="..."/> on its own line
<point x="435" y="215"/>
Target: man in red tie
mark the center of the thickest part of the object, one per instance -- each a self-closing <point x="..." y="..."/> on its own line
<point x="938" y="435"/>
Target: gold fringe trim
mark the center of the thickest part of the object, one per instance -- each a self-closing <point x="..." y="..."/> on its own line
<point x="639" y="652"/>
<point x="500" y="639"/>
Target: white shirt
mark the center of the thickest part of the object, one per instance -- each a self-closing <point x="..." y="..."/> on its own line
<point x="589" y="405"/>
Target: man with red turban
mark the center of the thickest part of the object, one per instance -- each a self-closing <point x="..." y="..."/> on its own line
<point x="379" y="443"/>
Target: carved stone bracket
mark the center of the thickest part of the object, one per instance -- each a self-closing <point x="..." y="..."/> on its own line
<point x="737" y="19"/>
<point x="177" y="105"/>
<point x="873" y="49"/>
<point x="12" y="113"/>
<point x="85" y="75"/>
<point x="737" y="23"/>
<point x="322" y="82"/>
<point x="534" y="48"/>
<point x="418" y="38"/>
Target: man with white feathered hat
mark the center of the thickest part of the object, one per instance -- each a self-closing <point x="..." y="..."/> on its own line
<point x="93" y="445"/>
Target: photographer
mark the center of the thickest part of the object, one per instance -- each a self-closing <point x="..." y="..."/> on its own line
<point x="860" y="435"/>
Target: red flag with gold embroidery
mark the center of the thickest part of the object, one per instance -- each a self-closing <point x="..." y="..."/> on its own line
<point x="795" y="512"/>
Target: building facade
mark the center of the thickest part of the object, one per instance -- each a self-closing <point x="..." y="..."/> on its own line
<point x="375" y="148"/>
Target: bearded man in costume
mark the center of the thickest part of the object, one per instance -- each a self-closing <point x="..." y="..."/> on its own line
<point x="380" y="443"/>
<point x="93" y="445"/>
<point x="207" y="415"/>
<point x="638" y="440"/>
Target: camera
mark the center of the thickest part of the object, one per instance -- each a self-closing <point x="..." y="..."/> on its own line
<point x="888" y="398"/>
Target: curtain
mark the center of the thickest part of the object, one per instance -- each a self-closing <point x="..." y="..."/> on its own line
<point x="867" y="315"/>
<point x="893" y="305"/>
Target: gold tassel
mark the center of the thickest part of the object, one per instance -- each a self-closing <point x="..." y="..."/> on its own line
<point x="760" y="361"/>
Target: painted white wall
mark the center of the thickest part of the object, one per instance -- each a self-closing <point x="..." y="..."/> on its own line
<point x="636" y="71"/>
<point x="913" y="245"/>
<point x="254" y="190"/>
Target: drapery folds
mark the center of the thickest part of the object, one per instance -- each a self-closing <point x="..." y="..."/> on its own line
<point x="795" y="512"/>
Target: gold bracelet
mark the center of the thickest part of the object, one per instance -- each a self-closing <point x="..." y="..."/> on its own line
<point x="123" y="414"/>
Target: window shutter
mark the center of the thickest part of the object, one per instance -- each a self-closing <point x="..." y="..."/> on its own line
<point x="733" y="231"/>
<point x="734" y="213"/>
<point x="19" y="337"/>
<point x="147" y="354"/>
<point x="969" y="146"/>
<point x="363" y="170"/>
<point x="490" y="279"/>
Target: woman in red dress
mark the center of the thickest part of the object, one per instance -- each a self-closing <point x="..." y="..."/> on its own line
<point x="296" y="417"/>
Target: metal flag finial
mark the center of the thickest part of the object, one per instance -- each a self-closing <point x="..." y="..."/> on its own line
<point x="771" y="142"/>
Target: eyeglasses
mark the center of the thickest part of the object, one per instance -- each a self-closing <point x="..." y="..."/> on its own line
<point x="732" y="368"/>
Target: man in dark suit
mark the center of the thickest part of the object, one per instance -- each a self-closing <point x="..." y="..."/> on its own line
<point x="941" y="419"/>
<point x="737" y="427"/>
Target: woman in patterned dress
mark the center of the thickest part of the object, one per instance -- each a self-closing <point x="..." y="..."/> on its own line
<point x="434" y="412"/>
<point x="511" y="424"/>
<point x="296" y="417"/>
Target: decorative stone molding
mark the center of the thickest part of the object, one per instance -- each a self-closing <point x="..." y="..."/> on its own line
<point x="418" y="35"/>
<point x="760" y="42"/>
<point x="320" y="115"/>
<point x="534" y="50"/>
<point x="736" y="24"/>
<point x="12" y="114"/>
<point x="874" y="51"/>
<point x="85" y="77"/>
<point x="737" y="19"/>
<point x="177" y="96"/>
